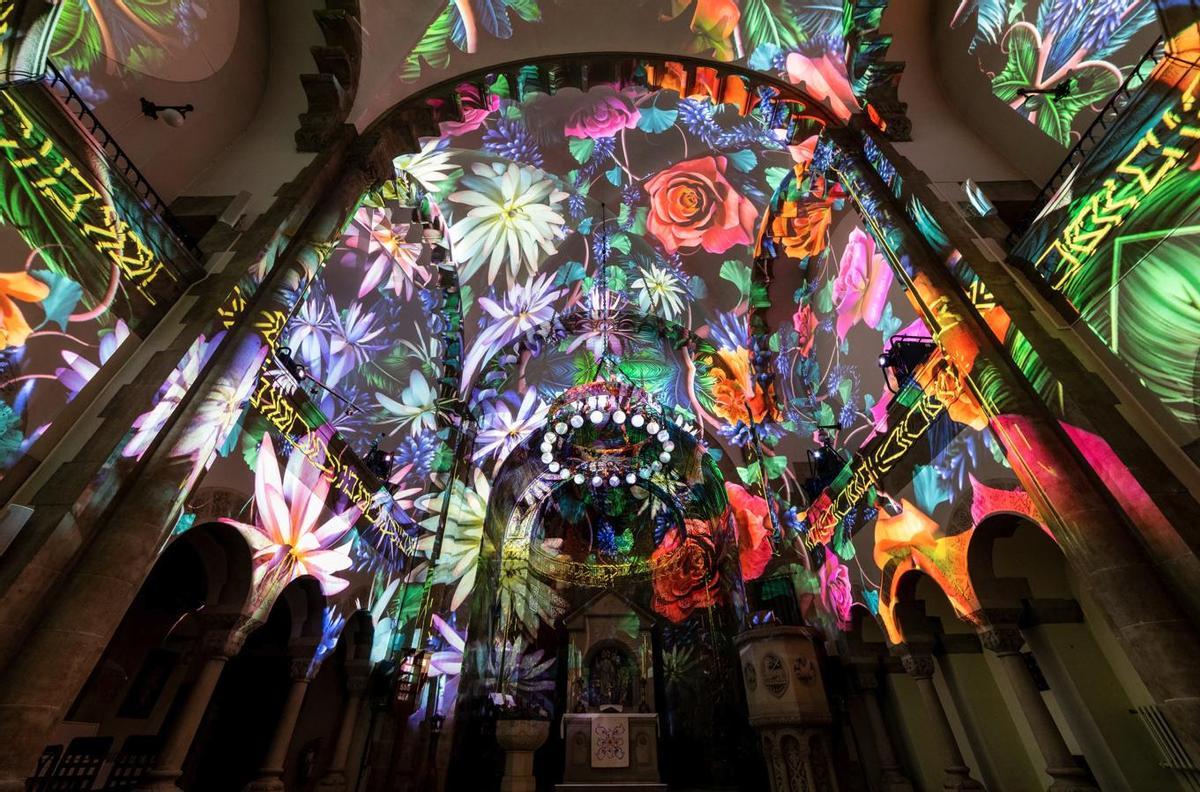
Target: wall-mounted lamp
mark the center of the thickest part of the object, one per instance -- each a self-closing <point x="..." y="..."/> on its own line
<point x="172" y="115"/>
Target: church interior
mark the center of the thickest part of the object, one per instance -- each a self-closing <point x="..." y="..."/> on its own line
<point x="599" y="395"/>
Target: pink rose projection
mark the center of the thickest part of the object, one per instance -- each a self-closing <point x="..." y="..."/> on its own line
<point x="861" y="289"/>
<point x="693" y="205"/>
<point x="805" y="323"/>
<point x="836" y="592"/>
<point x="601" y="112"/>
<point x="824" y="80"/>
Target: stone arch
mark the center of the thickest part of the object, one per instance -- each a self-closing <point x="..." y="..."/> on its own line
<point x="992" y="537"/>
<point x="227" y="562"/>
<point x="305" y="604"/>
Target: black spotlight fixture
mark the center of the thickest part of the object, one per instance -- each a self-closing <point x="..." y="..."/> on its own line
<point x="379" y="461"/>
<point x="1060" y="91"/>
<point x="172" y="115"/>
<point x="290" y="365"/>
<point x="902" y="357"/>
<point x="825" y="462"/>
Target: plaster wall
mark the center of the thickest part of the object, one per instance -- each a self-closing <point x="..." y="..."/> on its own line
<point x="945" y="145"/>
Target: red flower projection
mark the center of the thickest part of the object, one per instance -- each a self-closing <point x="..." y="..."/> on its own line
<point x="688" y="578"/>
<point x="753" y="522"/>
<point x="693" y="205"/>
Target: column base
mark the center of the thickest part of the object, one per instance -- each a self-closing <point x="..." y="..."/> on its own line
<point x="1071" y="779"/>
<point x="894" y="781"/>
<point x="158" y="785"/>
<point x="959" y="778"/>
<point x="265" y="784"/>
<point x="334" y="781"/>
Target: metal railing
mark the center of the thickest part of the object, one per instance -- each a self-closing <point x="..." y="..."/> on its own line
<point x="137" y="182"/>
<point x="1092" y="136"/>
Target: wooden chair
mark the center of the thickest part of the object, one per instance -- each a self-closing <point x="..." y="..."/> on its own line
<point x="132" y="762"/>
<point x="77" y="768"/>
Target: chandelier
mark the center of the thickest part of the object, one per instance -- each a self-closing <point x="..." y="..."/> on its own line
<point x="609" y="434"/>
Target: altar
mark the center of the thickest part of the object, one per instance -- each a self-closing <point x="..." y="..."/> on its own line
<point x="611" y="736"/>
<point x="619" y="749"/>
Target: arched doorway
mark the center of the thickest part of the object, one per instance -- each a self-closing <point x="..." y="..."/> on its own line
<point x="247" y="704"/>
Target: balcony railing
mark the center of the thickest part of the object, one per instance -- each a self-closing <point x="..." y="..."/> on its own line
<point x="1091" y="137"/>
<point x="137" y="182"/>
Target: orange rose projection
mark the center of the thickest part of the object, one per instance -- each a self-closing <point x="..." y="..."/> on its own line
<point x="693" y="205"/>
<point x="690" y="579"/>
<point x="735" y="393"/>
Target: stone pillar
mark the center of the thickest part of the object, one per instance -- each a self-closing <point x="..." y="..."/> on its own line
<point x="357" y="674"/>
<point x="1096" y="535"/>
<point x="1006" y="643"/>
<point x="957" y="774"/>
<point x="864" y="687"/>
<point x="77" y="619"/>
<point x="221" y="638"/>
<point x="270" y="774"/>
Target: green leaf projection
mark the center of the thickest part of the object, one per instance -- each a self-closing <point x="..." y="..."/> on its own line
<point x="1084" y="48"/>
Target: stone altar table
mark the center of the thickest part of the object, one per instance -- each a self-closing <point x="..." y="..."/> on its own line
<point x="641" y="772"/>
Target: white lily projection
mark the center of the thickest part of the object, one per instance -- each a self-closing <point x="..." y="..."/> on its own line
<point x="287" y="535"/>
<point x="464" y="533"/>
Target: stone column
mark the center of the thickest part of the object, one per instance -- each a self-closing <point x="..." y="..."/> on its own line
<point x="1006" y="643"/>
<point x="357" y="674"/>
<point x="1108" y="553"/>
<point x="75" y="622"/>
<point x="221" y="638"/>
<point x="270" y="775"/>
<point x="865" y="685"/>
<point x="957" y="774"/>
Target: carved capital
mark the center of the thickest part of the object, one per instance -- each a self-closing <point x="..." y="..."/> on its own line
<point x="223" y="634"/>
<point x="358" y="674"/>
<point x="299" y="668"/>
<point x="866" y="679"/>
<point x="1002" y="640"/>
<point x="918" y="666"/>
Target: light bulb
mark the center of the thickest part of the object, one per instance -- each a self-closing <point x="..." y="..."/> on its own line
<point x="652" y="427"/>
<point x="644" y="473"/>
<point x="547" y="458"/>
<point x="561" y="427"/>
<point x="614" y="481"/>
<point x="630" y="478"/>
<point x="619" y="417"/>
<point x="663" y="436"/>
<point x="656" y="466"/>
<point x="638" y="420"/>
<point x="549" y="437"/>
<point x="597" y="481"/>
<point x="664" y="457"/>
<point x="597" y="417"/>
<point x="547" y="448"/>
<point x="578" y="478"/>
<point x="554" y="467"/>
<point x="577" y="421"/>
<point x="668" y="446"/>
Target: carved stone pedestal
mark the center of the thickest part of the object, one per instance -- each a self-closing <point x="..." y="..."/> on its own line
<point x="519" y="739"/>
<point x="786" y="698"/>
